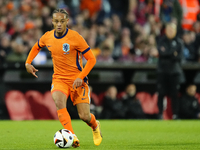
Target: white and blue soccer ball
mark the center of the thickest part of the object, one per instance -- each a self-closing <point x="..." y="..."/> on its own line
<point x="63" y="138"/>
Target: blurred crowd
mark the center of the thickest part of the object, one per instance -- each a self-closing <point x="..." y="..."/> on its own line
<point x="122" y="30"/>
<point x="131" y="104"/>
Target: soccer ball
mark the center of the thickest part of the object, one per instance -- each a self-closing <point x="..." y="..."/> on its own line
<point x="63" y="138"/>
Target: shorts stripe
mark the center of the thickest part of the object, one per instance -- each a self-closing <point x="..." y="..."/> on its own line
<point x="88" y="93"/>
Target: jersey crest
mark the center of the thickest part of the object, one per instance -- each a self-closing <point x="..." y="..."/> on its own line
<point x="66" y="47"/>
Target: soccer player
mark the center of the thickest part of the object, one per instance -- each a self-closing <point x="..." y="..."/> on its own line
<point x="70" y="78"/>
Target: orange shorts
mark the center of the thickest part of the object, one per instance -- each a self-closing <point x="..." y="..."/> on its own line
<point x="79" y="95"/>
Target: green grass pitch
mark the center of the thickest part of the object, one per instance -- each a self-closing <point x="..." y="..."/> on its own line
<point x="117" y="135"/>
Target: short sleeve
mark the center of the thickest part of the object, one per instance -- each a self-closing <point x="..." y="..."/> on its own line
<point x="81" y="45"/>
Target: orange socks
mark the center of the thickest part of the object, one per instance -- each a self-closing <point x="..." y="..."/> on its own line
<point x="93" y="123"/>
<point x="65" y="119"/>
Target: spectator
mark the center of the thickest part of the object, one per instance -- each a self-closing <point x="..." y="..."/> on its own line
<point x="153" y="51"/>
<point x="121" y="7"/>
<point x="17" y="54"/>
<point x="105" y="11"/>
<point x="101" y="34"/>
<point x="108" y="24"/>
<point x="190" y="53"/>
<point x="190" y="11"/>
<point x="92" y="42"/>
<point x="46" y="18"/>
<point x="148" y="26"/>
<point x="28" y="20"/>
<point x="112" y="106"/>
<point x="137" y="31"/>
<point x="126" y="44"/>
<point x="196" y="26"/>
<point x="144" y="8"/>
<point x="5" y="48"/>
<point x="132" y="104"/>
<point x="52" y="4"/>
<point x="167" y="10"/>
<point x="106" y="51"/>
<point x="92" y="7"/>
<point x="116" y="27"/>
<point x="129" y="20"/>
<point x="140" y="50"/>
<point x="169" y="71"/>
<point x="122" y="49"/>
<point x="78" y="23"/>
<point x="3" y="25"/>
<point x="73" y="6"/>
<point x="189" y="106"/>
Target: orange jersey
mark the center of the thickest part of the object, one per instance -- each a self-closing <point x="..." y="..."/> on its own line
<point x="66" y="52"/>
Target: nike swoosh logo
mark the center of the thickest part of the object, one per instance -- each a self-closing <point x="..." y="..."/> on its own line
<point x="66" y="123"/>
<point x="83" y="98"/>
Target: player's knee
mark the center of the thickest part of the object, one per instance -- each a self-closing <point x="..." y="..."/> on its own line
<point x="85" y="117"/>
<point x="59" y="99"/>
<point x="59" y="104"/>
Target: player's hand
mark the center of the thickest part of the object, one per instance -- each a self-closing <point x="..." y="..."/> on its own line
<point x="31" y="69"/>
<point x="78" y="82"/>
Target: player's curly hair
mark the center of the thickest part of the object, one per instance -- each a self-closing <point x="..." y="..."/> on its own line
<point x="60" y="10"/>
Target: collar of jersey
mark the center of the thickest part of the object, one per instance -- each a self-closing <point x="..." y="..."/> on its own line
<point x="59" y="37"/>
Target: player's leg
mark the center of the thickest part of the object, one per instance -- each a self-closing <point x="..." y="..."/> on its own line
<point x="174" y="89"/>
<point x="60" y="100"/>
<point x="85" y="115"/>
<point x="161" y="88"/>
<point x="81" y="98"/>
<point x="89" y="118"/>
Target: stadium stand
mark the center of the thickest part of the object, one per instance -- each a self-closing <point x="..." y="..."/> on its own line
<point x="37" y="106"/>
<point x="17" y="105"/>
<point x="128" y="36"/>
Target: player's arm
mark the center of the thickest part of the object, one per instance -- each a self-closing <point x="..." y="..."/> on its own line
<point x="32" y="54"/>
<point x="91" y="61"/>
